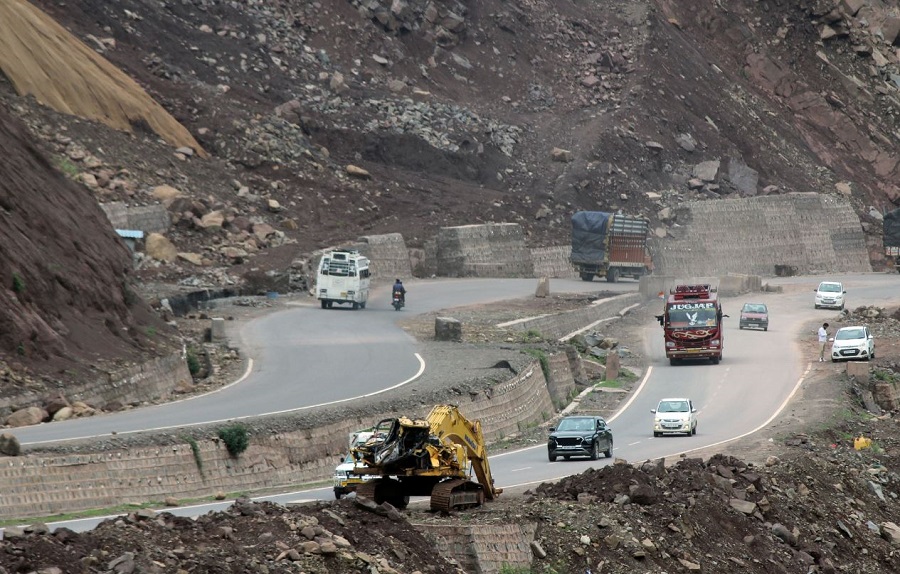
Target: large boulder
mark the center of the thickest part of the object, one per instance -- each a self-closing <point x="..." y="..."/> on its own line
<point x="160" y="248"/>
<point x="9" y="445"/>
<point x="27" y="416"/>
<point x="447" y="329"/>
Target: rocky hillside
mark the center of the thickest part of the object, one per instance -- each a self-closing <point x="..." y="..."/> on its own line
<point x="329" y="120"/>
<point x="276" y="128"/>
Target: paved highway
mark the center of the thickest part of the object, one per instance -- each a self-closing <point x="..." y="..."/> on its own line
<point x="756" y="378"/>
<point x="306" y="356"/>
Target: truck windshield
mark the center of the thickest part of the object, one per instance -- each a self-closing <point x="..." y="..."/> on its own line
<point x="688" y="318"/>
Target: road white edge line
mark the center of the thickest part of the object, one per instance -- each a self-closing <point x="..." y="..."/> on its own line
<point x="609" y="420"/>
<point x="186" y="425"/>
<point x="760" y="427"/>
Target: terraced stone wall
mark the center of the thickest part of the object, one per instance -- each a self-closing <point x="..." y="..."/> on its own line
<point x="143" y="382"/>
<point x="806" y="233"/>
<point x="146" y="218"/>
<point x="489" y="250"/>
<point x="553" y="262"/>
<point x="388" y="256"/>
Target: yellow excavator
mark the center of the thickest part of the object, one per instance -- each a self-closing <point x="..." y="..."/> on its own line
<point x="432" y="457"/>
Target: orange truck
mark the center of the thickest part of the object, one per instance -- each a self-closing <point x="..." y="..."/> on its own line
<point x="610" y="245"/>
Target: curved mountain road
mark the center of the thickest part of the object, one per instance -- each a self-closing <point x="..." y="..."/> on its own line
<point x="306" y="356"/>
<point x="758" y="375"/>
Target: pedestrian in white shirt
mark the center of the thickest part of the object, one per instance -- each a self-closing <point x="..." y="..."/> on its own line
<point x="823" y="338"/>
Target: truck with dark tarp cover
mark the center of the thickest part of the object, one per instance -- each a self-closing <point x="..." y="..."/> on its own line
<point x="611" y="245"/>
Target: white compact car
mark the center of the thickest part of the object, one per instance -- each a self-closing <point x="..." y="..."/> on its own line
<point x="830" y="295"/>
<point x="851" y="343"/>
<point x="674" y="416"/>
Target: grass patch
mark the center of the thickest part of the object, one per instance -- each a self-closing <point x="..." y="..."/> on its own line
<point x="66" y="166"/>
<point x="544" y="360"/>
<point x="507" y="569"/>
<point x="884" y="376"/>
<point x="532" y="336"/>
<point x="616" y="384"/>
<point x="195" y="449"/>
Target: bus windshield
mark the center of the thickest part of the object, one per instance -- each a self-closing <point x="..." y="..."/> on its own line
<point x="689" y="318"/>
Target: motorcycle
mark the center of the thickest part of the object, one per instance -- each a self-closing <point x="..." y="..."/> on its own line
<point x="397" y="300"/>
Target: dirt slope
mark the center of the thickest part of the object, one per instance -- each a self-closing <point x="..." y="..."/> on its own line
<point x="42" y="59"/>
<point x="67" y="308"/>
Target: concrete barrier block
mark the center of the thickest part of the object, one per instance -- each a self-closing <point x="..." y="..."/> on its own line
<point x="217" y="329"/>
<point x="543" y="288"/>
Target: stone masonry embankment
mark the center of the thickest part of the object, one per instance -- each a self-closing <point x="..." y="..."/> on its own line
<point x="38" y="485"/>
<point x="144" y="382"/>
<point x="801" y="232"/>
<point x="559" y="325"/>
<point x="806" y="232"/>
<point x="305" y="451"/>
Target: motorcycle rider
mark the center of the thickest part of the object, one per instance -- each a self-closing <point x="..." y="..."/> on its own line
<point x="399" y="288"/>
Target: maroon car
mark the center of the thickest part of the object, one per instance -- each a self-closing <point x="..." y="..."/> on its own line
<point x="754" y="315"/>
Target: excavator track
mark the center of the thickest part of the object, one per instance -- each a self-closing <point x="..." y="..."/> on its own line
<point x="384" y="490"/>
<point x="456" y="494"/>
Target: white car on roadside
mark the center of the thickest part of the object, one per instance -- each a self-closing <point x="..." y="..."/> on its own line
<point x="829" y="295"/>
<point x="850" y="343"/>
<point x="674" y="416"/>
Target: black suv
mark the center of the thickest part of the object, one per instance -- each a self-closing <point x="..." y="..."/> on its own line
<point x="580" y="436"/>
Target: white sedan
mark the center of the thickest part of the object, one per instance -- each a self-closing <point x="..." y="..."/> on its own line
<point x="853" y="343"/>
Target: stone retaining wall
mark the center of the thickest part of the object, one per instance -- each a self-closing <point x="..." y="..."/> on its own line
<point x="730" y="285"/>
<point x="562" y="324"/>
<point x="566" y="371"/>
<point x="388" y="256"/>
<point x="149" y="381"/>
<point x="553" y="262"/>
<point x="485" y="549"/>
<point x="489" y="250"/>
<point x="810" y="232"/>
<point x="146" y="218"/>
<point x="38" y="485"/>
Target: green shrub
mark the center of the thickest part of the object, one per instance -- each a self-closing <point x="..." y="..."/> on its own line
<point x="532" y="336"/>
<point x="18" y="283"/>
<point x="236" y="439"/>
<point x="193" y="363"/>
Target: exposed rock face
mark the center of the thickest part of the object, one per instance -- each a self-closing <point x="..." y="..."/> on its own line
<point x="64" y="271"/>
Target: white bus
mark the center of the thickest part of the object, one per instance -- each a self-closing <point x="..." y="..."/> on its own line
<point x="343" y="278"/>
